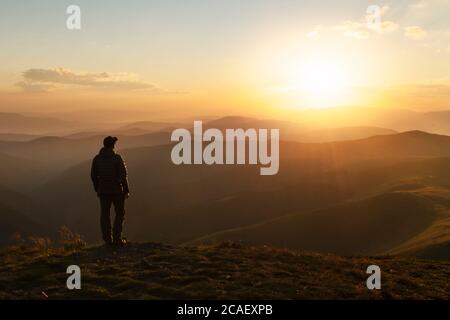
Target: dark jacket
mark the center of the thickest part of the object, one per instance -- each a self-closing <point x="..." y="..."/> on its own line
<point x="109" y="173"/>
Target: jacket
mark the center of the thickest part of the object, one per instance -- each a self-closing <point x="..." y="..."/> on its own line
<point x="109" y="173"/>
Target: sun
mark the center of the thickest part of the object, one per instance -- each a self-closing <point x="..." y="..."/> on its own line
<point x="321" y="77"/>
<point x="321" y="83"/>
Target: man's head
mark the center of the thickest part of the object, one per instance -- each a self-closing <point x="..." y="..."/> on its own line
<point x="110" y="142"/>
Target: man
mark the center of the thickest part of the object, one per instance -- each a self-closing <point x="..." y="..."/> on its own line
<point x="109" y="176"/>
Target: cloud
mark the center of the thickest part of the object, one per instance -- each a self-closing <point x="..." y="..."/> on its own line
<point x="387" y="26"/>
<point x="418" y="5"/>
<point x="415" y="32"/>
<point x="353" y="29"/>
<point x="31" y="87"/>
<point x="39" y="80"/>
<point x="429" y="6"/>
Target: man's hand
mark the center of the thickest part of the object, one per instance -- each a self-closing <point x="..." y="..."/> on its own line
<point x="126" y="195"/>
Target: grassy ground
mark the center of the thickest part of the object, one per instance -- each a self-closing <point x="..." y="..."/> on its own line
<point x="225" y="271"/>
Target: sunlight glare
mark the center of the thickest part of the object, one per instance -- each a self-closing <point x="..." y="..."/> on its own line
<point x="322" y="82"/>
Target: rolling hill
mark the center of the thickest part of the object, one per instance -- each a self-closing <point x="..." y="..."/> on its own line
<point x="211" y="199"/>
<point x="22" y="174"/>
<point x="140" y="128"/>
<point x="151" y="126"/>
<point x="13" y="221"/>
<point x="367" y="227"/>
<point x="342" y="134"/>
<point x="215" y="200"/>
<point x="54" y="154"/>
<point x="299" y="132"/>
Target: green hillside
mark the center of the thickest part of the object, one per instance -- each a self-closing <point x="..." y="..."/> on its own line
<point x="406" y="222"/>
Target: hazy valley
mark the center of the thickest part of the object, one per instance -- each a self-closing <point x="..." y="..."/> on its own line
<point x="375" y="190"/>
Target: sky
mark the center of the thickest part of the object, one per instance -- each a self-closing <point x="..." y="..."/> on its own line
<point x="219" y="57"/>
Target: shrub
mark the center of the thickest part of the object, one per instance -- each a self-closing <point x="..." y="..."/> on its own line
<point x="70" y="240"/>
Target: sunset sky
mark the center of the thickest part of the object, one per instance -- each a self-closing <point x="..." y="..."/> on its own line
<point x="223" y="57"/>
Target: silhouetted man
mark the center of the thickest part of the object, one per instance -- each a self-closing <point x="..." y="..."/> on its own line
<point x="109" y="176"/>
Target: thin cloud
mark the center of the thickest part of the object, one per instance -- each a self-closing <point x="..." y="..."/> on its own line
<point x="353" y="29"/>
<point x="31" y="87"/>
<point x="415" y="32"/>
<point x="35" y="80"/>
<point x="418" y="5"/>
<point x="387" y="26"/>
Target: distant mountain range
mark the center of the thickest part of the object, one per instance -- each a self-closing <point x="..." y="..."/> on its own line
<point x="387" y="193"/>
<point x="309" y="122"/>
<point x="312" y="178"/>
<point x="11" y="123"/>
<point x="391" y="118"/>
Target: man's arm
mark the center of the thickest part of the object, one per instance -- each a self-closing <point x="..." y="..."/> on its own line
<point x="123" y="176"/>
<point x="94" y="175"/>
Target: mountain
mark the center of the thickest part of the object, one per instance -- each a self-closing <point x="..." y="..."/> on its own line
<point x="298" y="131"/>
<point x="54" y="154"/>
<point x="437" y="122"/>
<point x="342" y="134"/>
<point x="12" y="222"/>
<point x="20" y="174"/>
<point x="104" y="117"/>
<point x="406" y="144"/>
<point x="392" y="118"/>
<point x="54" y="173"/>
<point x="367" y="227"/>
<point x="212" y="199"/>
<point x="19" y="202"/>
<point x="151" y="126"/>
<point x="148" y="271"/>
<point x="88" y="134"/>
<point x="288" y="130"/>
<point x="410" y="196"/>
<point x="13" y="123"/>
<point x="140" y="128"/>
<point x="59" y="153"/>
<point x="434" y="241"/>
<point x="17" y="137"/>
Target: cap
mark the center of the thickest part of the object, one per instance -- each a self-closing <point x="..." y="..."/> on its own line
<point x="110" y="141"/>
